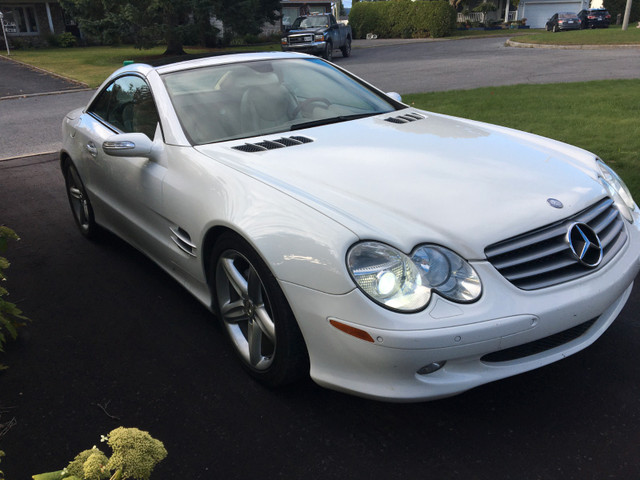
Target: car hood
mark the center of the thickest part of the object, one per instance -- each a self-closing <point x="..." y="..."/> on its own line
<point x="307" y="30"/>
<point x="438" y="179"/>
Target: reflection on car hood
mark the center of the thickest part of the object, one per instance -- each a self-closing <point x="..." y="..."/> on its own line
<point x="438" y="179"/>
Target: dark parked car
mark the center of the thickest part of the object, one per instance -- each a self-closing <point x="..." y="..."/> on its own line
<point x="594" y="18"/>
<point x="563" y="21"/>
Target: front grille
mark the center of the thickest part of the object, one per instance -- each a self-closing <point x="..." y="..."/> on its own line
<point x="543" y="258"/>
<point x="539" y="346"/>
<point x="301" y="39"/>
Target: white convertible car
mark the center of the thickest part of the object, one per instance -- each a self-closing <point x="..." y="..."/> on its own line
<point x="385" y="251"/>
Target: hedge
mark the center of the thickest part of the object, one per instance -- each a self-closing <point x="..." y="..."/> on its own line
<point x="402" y="19"/>
<point x="616" y="7"/>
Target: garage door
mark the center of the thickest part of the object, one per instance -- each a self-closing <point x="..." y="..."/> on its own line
<point x="537" y="14"/>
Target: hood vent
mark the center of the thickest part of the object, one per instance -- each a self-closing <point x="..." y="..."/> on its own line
<point x="272" y="144"/>
<point x="409" y="117"/>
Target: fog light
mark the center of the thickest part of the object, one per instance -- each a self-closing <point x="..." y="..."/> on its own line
<point x="432" y="367"/>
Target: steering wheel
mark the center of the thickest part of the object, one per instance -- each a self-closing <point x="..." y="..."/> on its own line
<point x="305" y="103"/>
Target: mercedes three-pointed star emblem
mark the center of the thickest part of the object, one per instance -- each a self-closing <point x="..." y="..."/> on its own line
<point x="584" y="244"/>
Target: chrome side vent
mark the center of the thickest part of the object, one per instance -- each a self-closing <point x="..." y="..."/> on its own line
<point x="272" y="144"/>
<point x="183" y="241"/>
<point x="543" y="257"/>
<point x="409" y="117"/>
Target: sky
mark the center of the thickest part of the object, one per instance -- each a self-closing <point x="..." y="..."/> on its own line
<point x="346" y="3"/>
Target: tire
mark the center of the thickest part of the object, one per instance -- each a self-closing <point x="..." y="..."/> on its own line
<point x="346" y="50"/>
<point x="555" y="29"/>
<point x="255" y="315"/>
<point x="328" y="51"/>
<point x="79" y="202"/>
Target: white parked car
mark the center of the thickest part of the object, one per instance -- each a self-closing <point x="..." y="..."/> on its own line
<point x="385" y="251"/>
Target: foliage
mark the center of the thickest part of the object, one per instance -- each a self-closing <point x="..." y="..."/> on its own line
<point x="147" y="23"/>
<point x="616" y="7"/>
<point x="11" y="317"/>
<point x="1" y="474"/>
<point x="485" y="7"/>
<point x="403" y="19"/>
<point x="89" y="465"/>
<point x="62" y="40"/>
<point x="135" y="455"/>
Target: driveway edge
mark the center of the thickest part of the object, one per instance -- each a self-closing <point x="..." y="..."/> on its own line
<point x="513" y="43"/>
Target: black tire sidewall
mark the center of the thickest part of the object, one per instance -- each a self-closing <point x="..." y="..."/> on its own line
<point x="290" y="360"/>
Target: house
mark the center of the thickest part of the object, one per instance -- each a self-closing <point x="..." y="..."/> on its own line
<point x="291" y="9"/>
<point x="32" y="20"/>
<point x="537" y="12"/>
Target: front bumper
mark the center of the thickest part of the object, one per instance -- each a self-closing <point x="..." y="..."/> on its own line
<point x="313" y="47"/>
<point x="461" y="335"/>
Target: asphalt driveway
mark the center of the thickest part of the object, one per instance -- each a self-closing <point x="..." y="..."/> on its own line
<point x="115" y="341"/>
<point x="18" y="80"/>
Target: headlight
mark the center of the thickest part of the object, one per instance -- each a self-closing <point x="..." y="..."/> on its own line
<point x="320" y="38"/>
<point x="618" y="190"/>
<point x="284" y="40"/>
<point x="405" y="282"/>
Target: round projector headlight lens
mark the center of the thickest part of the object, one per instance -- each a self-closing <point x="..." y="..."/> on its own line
<point x="387" y="276"/>
<point x="447" y="273"/>
<point x="617" y="189"/>
<point x="405" y="283"/>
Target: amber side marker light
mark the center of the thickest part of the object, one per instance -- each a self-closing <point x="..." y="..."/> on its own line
<point x="353" y="331"/>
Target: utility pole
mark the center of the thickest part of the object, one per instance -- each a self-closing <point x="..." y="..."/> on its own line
<point x="627" y="13"/>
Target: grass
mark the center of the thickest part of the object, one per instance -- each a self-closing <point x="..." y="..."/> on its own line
<point x="91" y="65"/>
<point x="601" y="116"/>
<point x="599" y="36"/>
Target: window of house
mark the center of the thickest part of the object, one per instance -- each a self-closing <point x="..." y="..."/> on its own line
<point x="20" y="19"/>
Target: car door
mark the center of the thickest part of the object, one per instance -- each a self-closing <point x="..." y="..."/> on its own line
<point x="128" y="188"/>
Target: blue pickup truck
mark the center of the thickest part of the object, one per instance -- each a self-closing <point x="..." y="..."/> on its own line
<point x="319" y="35"/>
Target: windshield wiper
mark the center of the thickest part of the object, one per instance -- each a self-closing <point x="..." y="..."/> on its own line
<point x="330" y="120"/>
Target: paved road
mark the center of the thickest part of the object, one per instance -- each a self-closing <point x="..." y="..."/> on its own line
<point x="110" y="328"/>
<point x="485" y="62"/>
<point x="31" y="125"/>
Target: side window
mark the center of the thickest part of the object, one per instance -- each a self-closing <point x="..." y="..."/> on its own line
<point x="128" y="105"/>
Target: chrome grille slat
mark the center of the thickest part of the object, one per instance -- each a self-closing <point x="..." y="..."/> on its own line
<point x="542" y="258"/>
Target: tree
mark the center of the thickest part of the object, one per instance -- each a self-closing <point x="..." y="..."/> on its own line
<point x="147" y="23"/>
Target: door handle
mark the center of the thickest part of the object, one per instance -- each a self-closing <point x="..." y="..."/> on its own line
<point x="91" y="147"/>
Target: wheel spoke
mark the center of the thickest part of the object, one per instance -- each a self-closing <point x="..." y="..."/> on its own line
<point x="265" y="323"/>
<point x="236" y="280"/>
<point x="233" y="312"/>
<point x="254" y="340"/>
<point x="76" y="193"/>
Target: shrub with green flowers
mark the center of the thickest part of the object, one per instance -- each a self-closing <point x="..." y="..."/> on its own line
<point x="135" y="455"/>
<point x="10" y="316"/>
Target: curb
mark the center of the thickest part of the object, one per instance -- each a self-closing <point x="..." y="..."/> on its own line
<point x="513" y="43"/>
<point x="22" y="157"/>
<point x="58" y="92"/>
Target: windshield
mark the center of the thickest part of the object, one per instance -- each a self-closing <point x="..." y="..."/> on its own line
<point x="311" y="22"/>
<point x="566" y="15"/>
<point x="239" y="100"/>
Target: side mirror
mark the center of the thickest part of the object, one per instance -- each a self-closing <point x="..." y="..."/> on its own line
<point x="128" y="145"/>
<point x="395" y="96"/>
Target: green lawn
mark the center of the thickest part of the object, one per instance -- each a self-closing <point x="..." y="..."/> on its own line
<point x="599" y="36"/>
<point x="91" y="65"/>
<point x="602" y="117"/>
